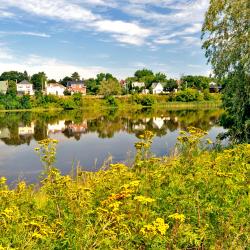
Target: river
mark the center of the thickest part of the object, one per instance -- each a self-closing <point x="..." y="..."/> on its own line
<point x="90" y="139"/>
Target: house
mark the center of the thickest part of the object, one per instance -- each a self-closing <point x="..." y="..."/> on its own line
<point x="24" y="88"/>
<point x="76" y="87"/>
<point x="157" y="88"/>
<point x="138" y="85"/>
<point x="55" y="89"/>
<point x="3" y="87"/>
<point x="214" y="87"/>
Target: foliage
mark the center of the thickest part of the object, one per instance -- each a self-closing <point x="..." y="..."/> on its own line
<point x="198" y="82"/>
<point x="188" y="95"/>
<point x="110" y="87"/>
<point x="144" y="100"/>
<point x="111" y="101"/>
<point x="25" y="102"/>
<point x="170" y="85"/>
<point x="12" y="90"/>
<point x="65" y="80"/>
<point x="14" y="76"/>
<point x="38" y="80"/>
<point x="159" y="203"/>
<point x="226" y="41"/>
<point x="75" y="76"/>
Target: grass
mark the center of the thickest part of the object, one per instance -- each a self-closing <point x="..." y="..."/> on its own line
<point x="195" y="199"/>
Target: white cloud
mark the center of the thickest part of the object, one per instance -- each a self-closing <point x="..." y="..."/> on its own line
<point x="54" y="68"/>
<point x="82" y="18"/>
<point x="24" y="33"/>
<point x="6" y="14"/>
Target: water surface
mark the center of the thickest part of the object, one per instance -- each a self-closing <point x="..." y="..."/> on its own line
<point x="89" y="139"/>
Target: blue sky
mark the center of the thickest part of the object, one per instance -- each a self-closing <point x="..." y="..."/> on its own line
<point x="93" y="36"/>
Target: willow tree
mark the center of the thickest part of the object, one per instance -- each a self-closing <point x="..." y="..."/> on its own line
<point x="226" y="39"/>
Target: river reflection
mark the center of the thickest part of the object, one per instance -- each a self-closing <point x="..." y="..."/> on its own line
<point x="90" y="138"/>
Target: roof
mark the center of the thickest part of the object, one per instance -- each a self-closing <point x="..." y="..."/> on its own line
<point x="25" y="82"/>
<point x="70" y="83"/>
<point x="138" y="84"/>
<point x="154" y="85"/>
<point x="55" y="85"/>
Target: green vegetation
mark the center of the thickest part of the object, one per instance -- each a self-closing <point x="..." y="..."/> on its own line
<point x="226" y="41"/>
<point x="11" y="101"/>
<point x="196" y="199"/>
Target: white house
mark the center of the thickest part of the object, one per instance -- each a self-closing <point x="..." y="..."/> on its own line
<point x="157" y="88"/>
<point x="55" y="89"/>
<point x="24" y="88"/>
<point x="138" y="84"/>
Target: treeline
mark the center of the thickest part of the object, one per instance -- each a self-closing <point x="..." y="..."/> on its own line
<point x="107" y="84"/>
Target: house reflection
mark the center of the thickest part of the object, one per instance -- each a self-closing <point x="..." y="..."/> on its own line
<point x="75" y="129"/>
<point x="26" y="130"/>
<point x="4" y="133"/>
<point x="57" y="127"/>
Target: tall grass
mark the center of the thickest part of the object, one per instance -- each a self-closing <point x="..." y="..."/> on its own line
<point x="195" y="199"/>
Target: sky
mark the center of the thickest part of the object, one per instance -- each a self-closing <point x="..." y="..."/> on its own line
<point x="60" y="37"/>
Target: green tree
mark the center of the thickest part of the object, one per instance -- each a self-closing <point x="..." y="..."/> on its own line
<point x="39" y="80"/>
<point x="75" y="76"/>
<point x="14" y="76"/>
<point x="160" y="77"/>
<point x="225" y="35"/>
<point x="110" y="87"/>
<point x="11" y="91"/>
<point x="170" y="85"/>
<point x="65" y="80"/>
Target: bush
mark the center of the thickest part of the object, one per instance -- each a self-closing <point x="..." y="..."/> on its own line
<point x="110" y="100"/>
<point x="144" y="100"/>
<point x="188" y="95"/>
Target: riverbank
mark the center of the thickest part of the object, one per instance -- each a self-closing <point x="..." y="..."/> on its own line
<point x="135" y="102"/>
<point x="193" y="199"/>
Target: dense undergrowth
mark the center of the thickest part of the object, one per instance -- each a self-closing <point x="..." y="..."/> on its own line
<point x="196" y="199"/>
<point x="77" y="101"/>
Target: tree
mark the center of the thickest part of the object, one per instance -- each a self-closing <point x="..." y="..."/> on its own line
<point x="198" y="82"/>
<point x="14" y="76"/>
<point x="110" y="87"/>
<point x="11" y="91"/>
<point x="65" y="80"/>
<point x="170" y="85"/>
<point x="160" y="77"/>
<point x="75" y="76"/>
<point x="52" y="81"/>
<point x="39" y="80"/>
<point x="143" y="72"/>
<point x="225" y="35"/>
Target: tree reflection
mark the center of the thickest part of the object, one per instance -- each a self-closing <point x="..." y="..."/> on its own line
<point x="22" y="127"/>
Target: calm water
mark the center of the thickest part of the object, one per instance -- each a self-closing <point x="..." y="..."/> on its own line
<point x="89" y="139"/>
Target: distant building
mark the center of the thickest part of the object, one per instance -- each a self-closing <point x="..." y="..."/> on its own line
<point x="214" y="87"/>
<point x="55" y="89"/>
<point x="76" y="87"/>
<point x="138" y="85"/>
<point x="3" y="87"/>
<point x="24" y="88"/>
<point x="157" y="88"/>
